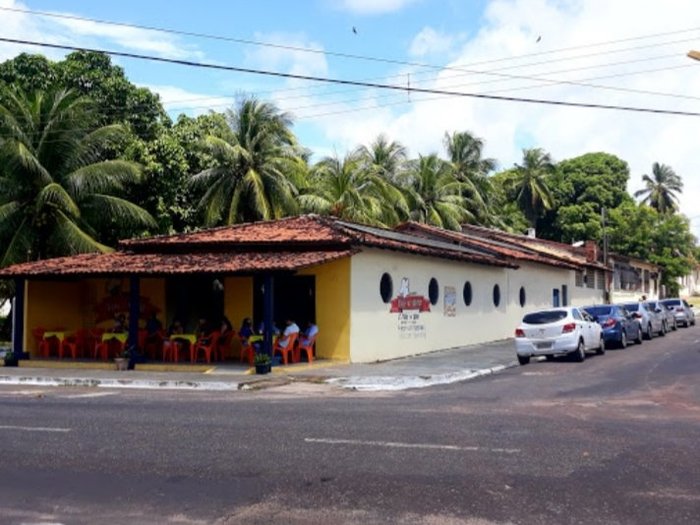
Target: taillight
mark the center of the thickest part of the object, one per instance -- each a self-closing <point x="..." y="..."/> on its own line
<point x="519" y="332"/>
<point x="608" y="323"/>
<point x="568" y="327"/>
<point x="679" y="308"/>
<point x="637" y="315"/>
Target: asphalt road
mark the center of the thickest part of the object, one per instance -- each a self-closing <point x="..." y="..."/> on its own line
<point x="615" y="439"/>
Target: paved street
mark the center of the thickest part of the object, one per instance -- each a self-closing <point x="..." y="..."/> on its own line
<point x="612" y="440"/>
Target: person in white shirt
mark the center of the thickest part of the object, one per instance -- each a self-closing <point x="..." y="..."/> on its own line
<point x="310" y="333"/>
<point x="290" y="329"/>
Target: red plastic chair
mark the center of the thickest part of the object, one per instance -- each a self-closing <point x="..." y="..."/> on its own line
<point x="206" y="344"/>
<point x="247" y="351"/>
<point x="286" y="350"/>
<point x="41" y="344"/>
<point x="308" y="348"/>
<point x="223" y="345"/>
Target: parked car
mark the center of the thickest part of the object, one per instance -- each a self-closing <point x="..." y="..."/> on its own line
<point x="650" y="321"/>
<point x="667" y="315"/>
<point x="683" y="312"/>
<point x="555" y="332"/>
<point x="619" y="326"/>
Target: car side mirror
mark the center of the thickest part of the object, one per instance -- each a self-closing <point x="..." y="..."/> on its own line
<point x="658" y="310"/>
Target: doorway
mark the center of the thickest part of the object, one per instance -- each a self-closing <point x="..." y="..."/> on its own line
<point x="191" y="298"/>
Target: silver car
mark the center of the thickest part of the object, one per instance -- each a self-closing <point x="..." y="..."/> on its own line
<point x="651" y="322"/>
<point x="667" y="315"/>
<point x="682" y="311"/>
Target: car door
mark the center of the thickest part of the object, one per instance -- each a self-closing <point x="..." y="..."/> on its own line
<point x="584" y="320"/>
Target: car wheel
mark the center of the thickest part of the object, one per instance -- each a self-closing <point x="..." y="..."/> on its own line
<point x="601" y="347"/>
<point x="663" y="330"/>
<point x="639" y="340"/>
<point x="623" y="340"/>
<point x="675" y="325"/>
<point x="580" y="352"/>
<point x="648" y="334"/>
<point x="523" y="359"/>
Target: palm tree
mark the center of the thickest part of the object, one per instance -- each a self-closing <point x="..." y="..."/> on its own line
<point x="661" y="188"/>
<point x="527" y="184"/>
<point x="56" y="190"/>
<point x="249" y="180"/>
<point x="434" y="193"/>
<point x="384" y="157"/>
<point x="345" y="189"/>
<point x="465" y="151"/>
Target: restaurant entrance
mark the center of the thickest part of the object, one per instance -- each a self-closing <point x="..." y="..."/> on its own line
<point x="295" y="298"/>
<point x="191" y="298"/>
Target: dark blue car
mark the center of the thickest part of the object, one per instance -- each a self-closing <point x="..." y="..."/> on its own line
<point x="619" y="326"/>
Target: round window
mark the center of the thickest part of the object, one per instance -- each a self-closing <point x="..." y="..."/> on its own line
<point x="386" y="287"/>
<point x="496" y="295"/>
<point x="467" y="293"/>
<point x="433" y="291"/>
<point x="522" y="296"/>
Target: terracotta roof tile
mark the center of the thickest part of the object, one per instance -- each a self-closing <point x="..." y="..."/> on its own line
<point x="298" y="230"/>
<point x="128" y="263"/>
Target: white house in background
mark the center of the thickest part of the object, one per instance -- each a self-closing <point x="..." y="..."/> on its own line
<point x="690" y="284"/>
<point x="633" y="278"/>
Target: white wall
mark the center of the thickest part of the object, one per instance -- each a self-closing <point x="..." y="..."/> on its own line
<point x="377" y="334"/>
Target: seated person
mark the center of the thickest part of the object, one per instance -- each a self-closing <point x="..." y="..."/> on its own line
<point x="119" y="324"/>
<point x="290" y="329"/>
<point x="203" y="331"/>
<point x="154" y="329"/>
<point x="174" y="329"/>
<point x="246" y="330"/>
<point x="309" y="334"/>
<point x="225" y="330"/>
<point x="261" y="329"/>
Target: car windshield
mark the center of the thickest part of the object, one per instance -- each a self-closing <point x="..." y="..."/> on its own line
<point x="652" y="305"/>
<point x="632" y="307"/>
<point x="599" y="310"/>
<point x="548" y="316"/>
<point x="672" y="302"/>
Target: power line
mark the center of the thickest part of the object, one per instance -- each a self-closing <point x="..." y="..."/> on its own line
<point x="333" y="53"/>
<point x="329" y="80"/>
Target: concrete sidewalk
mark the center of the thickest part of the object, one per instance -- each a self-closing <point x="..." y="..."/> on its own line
<point x="437" y="368"/>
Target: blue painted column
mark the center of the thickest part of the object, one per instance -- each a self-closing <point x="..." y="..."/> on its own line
<point x="134" y="313"/>
<point x="18" y="320"/>
<point x="268" y="311"/>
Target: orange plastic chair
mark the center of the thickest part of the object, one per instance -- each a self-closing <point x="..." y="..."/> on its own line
<point x="308" y="348"/>
<point x="247" y="351"/>
<point x="207" y="347"/>
<point x="286" y="350"/>
<point x="69" y="344"/>
<point x="41" y="343"/>
<point x="171" y="350"/>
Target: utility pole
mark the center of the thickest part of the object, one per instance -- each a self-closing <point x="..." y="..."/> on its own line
<point x="605" y="252"/>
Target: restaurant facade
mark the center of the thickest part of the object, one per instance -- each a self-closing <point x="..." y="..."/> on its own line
<point x="374" y="293"/>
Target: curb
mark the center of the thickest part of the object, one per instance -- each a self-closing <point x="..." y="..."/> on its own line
<point x="143" y="384"/>
<point x="398" y="383"/>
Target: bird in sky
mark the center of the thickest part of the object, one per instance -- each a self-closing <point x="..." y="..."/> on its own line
<point x="354" y="29"/>
<point x="538" y="39"/>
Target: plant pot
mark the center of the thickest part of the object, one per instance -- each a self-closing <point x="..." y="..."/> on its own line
<point x="12" y="361"/>
<point x="121" y="362"/>
<point x="263" y="369"/>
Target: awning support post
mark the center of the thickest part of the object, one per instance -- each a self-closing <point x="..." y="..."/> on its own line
<point x="134" y="313"/>
<point x="18" y="320"/>
<point x="268" y="311"/>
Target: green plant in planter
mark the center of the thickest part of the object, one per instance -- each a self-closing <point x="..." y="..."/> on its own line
<point x="10" y="358"/>
<point x="262" y="359"/>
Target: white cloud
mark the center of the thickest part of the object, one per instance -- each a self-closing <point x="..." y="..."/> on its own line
<point x="431" y="42"/>
<point x="81" y="33"/>
<point x="374" y="7"/>
<point x="177" y="100"/>
<point x="510" y="30"/>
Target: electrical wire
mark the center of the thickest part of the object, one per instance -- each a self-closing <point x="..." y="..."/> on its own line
<point x="330" y="80"/>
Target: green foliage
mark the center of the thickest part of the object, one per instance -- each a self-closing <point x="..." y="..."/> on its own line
<point x="528" y="184"/>
<point x="661" y="189"/>
<point x="581" y="187"/>
<point x="59" y="193"/>
<point x="663" y="239"/>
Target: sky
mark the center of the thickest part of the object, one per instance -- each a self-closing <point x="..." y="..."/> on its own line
<point x="626" y="52"/>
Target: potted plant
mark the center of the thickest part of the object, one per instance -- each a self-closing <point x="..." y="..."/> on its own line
<point x="10" y="358"/>
<point x="122" y="360"/>
<point x="263" y="363"/>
